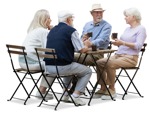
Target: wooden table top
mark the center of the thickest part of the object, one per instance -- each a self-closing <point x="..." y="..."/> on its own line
<point x="101" y="51"/>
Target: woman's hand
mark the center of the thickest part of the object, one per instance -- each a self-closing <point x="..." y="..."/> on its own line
<point x="117" y="42"/>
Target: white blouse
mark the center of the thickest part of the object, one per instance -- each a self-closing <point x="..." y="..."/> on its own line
<point x="36" y="38"/>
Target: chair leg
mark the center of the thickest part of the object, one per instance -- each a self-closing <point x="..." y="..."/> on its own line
<point x="74" y="82"/>
<point x="20" y="84"/>
<point x="50" y="88"/>
<point x="117" y="79"/>
<point x="35" y="85"/>
<point x="61" y="84"/>
<point x="66" y="90"/>
<point x="131" y="82"/>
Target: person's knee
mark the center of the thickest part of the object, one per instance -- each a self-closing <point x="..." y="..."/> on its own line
<point x="86" y="71"/>
<point x="89" y="70"/>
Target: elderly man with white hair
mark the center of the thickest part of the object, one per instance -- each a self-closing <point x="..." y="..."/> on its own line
<point x="65" y="40"/>
<point x="95" y="33"/>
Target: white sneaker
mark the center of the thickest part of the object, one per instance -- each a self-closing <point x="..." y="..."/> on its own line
<point x="107" y="97"/>
<point x="78" y="101"/>
<point x="65" y="98"/>
<point x="95" y="96"/>
<point x="48" y="96"/>
<point x="98" y="94"/>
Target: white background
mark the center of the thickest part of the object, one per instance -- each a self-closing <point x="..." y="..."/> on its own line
<point x="16" y="16"/>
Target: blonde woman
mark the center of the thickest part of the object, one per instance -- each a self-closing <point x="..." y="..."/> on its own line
<point x="36" y="37"/>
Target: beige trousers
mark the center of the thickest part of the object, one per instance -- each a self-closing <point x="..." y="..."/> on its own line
<point x="115" y="62"/>
<point x="88" y="61"/>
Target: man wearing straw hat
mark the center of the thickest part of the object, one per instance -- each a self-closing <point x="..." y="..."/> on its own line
<point x="95" y="33"/>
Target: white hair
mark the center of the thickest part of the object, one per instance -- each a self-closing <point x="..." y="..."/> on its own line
<point x="133" y="12"/>
<point x="63" y="15"/>
<point x="39" y="20"/>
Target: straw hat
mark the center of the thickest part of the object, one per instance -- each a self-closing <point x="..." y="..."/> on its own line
<point x="97" y="7"/>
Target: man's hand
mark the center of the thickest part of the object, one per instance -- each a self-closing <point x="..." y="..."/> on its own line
<point x="87" y="43"/>
<point x="85" y="37"/>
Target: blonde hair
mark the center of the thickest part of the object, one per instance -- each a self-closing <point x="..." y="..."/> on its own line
<point x="39" y="20"/>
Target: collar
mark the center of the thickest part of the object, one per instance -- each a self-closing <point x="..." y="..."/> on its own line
<point x="96" y="24"/>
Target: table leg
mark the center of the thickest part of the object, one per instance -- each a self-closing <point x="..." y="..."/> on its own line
<point x="101" y="72"/>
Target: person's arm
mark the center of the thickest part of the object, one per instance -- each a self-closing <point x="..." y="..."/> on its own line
<point x="100" y="36"/>
<point x="103" y="35"/>
<point x="139" y="39"/>
<point x="77" y="43"/>
<point x="118" y="42"/>
<point x="85" y="35"/>
<point x="85" y="49"/>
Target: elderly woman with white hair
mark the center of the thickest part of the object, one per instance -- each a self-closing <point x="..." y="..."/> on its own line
<point x="65" y="40"/>
<point x="36" y="37"/>
<point x="129" y="46"/>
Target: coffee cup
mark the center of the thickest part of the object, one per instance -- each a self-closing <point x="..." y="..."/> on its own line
<point x="89" y="34"/>
<point x="94" y="48"/>
<point x="114" y="35"/>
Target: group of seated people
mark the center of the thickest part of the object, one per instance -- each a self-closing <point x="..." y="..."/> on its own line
<point x="65" y="39"/>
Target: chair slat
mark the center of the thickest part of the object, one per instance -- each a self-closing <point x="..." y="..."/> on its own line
<point x="46" y="49"/>
<point x="18" y="52"/>
<point x="48" y="56"/>
<point x="15" y="46"/>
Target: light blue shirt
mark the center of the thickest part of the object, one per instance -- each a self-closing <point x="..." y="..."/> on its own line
<point x="133" y="35"/>
<point x="101" y="33"/>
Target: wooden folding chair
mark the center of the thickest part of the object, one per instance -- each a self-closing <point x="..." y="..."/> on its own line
<point x="51" y="54"/>
<point x="14" y="52"/>
<point x="126" y="70"/>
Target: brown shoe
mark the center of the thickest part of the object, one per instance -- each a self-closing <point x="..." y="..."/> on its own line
<point x="111" y="91"/>
<point x="107" y="96"/>
<point x="99" y="93"/>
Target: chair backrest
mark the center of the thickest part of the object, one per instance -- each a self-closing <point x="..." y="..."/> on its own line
<point x="46" y="53"/>
<point x="141" y="54"/>
<point x="17" y="50"/>
<point x="110" y="45"/>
